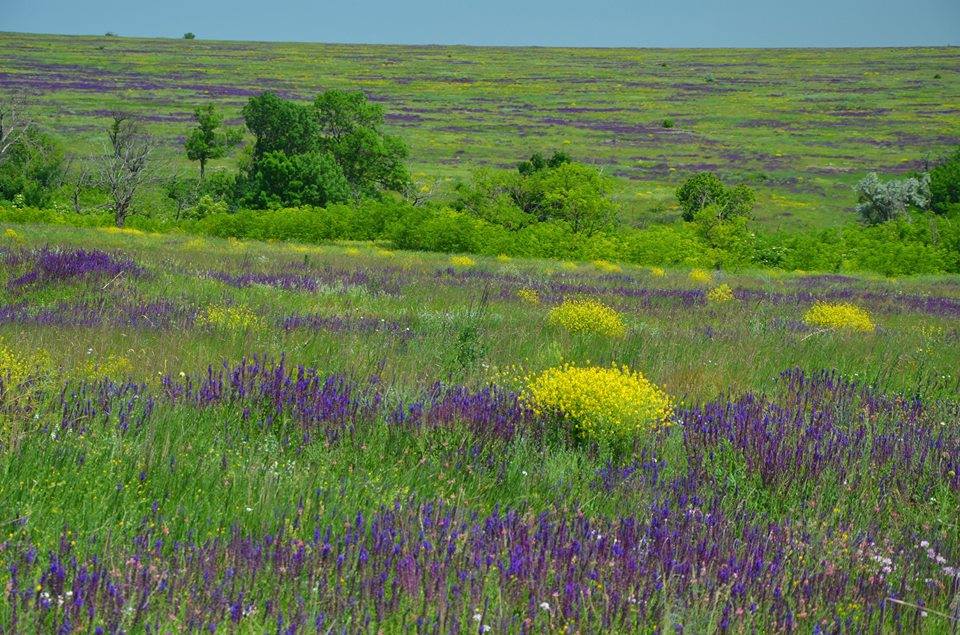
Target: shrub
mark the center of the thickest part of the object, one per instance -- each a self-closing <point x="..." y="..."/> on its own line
<point x="462" y="261"/>
<point x="667" y="123"/>
<point x="840" y="316"/>
<point x="945" y="183"/>
<point x="701" y="276"/>
<point x="529" y="296"/>
<point x="608" y="406"/>
<point x="588" y="316"/>
<point x="707" y="189"/>
<point x="879" y="202"/>
<point x="720" y="294"/>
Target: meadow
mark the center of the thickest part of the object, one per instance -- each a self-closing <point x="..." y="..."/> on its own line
<point x="239" y="436"/>
<point x="801" y="126"/>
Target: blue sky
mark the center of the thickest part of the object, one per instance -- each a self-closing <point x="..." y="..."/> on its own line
<point x="640" y="23"/>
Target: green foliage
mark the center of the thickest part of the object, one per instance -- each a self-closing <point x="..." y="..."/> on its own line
<point x="555" y="189"/>
<point x="32" y="168"/>
<point x="879" y="201"/>
<point x="538" y="162"/>
<point x="320" y="153"/>
<point x="206" y="141"/>
<point x="706" y="189"/>
<point x="945" y="184"/>
<point x="189" y="35"/>
<point x="281" y="180"/>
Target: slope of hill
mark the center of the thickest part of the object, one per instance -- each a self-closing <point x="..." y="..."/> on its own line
<point x="800" y="125"/>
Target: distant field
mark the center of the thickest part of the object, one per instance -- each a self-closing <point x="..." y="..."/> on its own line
<point x="800" y="125"/>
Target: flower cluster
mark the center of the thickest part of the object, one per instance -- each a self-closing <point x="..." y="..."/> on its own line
<point x="529" y="296"/>
<point x="701" y="276"/>
<point x="607" y="266"/>
<point x="840" y="316"/>
<point x="607" y="405"/>
<point x="657" y="272"/>
<point x="462" y="261"/>
<point x="228" y="318"/>
<point x="18" y="367"/>
<point x="588" y="316"/>
<point x="720" y="294"/>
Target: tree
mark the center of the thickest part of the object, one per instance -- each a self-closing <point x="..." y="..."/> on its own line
<point x="351" y="129"/>
<point x="945" y="183"/>
<point x="189" y="35"/>
<point x="125" y="167"/>
<point x="183" y="192"/>
<point x="879" y="201"/>
<point x="206" y="141"/>
<point x="339" y="137"/>
<point x="578" y="194"/>
<point x="279" y="125"/>
<point x="14" y="122"/>
<point x="706" y="189"/>
<point x="32" y="167"/>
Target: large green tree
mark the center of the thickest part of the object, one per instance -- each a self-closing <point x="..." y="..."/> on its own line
<point x="340" y="138"/>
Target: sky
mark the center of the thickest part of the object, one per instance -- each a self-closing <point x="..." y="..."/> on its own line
<point x="633" y="23"/>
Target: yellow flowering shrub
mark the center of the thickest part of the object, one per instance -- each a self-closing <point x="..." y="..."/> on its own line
<point x="228" y="318"/>
<point x="657" y="272"/>
<point x="588" y="316"/>
<point x="840" y="316"/>
<point x="609" y="267"/>
<point x="569" y="266"/>
<point x="503" y="258"/>
<point x="529" y="296"/>
<point x="701" y="276"/>
<point x="11" y="235"/>
<point x="720" y="294"/>
<point x="351" y="251"/>
<point x="196" y="244"/>
<point x="462" y="261"/>
<point x="607" y="405"/>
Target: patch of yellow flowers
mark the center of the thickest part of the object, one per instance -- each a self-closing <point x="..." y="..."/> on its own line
<point x="607" y="405"/>
<point x="701" y="276"/>
<point x="588" y="316"/>
<point x="839" y="316"/>
<point x="17" y="367"/>
<point x="462" y="261"/>
<point x="720" y="294"/>
<point x="529" y="296"/>
<point x="229" y="318"/>
<point x="657" y="272"/>
<point x="115" y="367"/>
<point x="607" y="266"/>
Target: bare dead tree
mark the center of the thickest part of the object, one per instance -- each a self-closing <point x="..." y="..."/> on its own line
<point x="14" y="122"/>
<point x="82" y="179"/>
<point x="125" y="168"/>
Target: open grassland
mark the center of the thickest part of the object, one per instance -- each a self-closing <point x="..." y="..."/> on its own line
<point x="202" y="434"/>
<point x="800" y="125"/>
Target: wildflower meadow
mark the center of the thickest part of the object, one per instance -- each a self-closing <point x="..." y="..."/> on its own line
<point x="242" y="436"/>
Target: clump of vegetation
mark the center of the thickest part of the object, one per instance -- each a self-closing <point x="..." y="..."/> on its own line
<point x="944" y="185"/>
<point x="462" y="261"/>
<point x="839" y="316"/>
<point x="706" y="190"/>
<point x="700" y="276"/>
<point x="530" y="296"/>
<point x="720" y="294"/>
<point x="237" y="318"/>
<point x="611" y="406"/>
<point x="882" y="201"/>
<point x="589" y="317"/>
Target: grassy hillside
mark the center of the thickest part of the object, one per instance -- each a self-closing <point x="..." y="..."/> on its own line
<point x="800" y="125"/>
